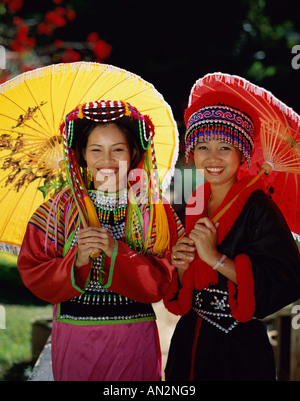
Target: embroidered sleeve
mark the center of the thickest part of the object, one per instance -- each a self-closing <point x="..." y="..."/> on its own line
<point x="144" y="278"/>
<point x="44" y="269"/>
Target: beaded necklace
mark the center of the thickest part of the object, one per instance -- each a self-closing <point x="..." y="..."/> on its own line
<point x="111" y="209"/>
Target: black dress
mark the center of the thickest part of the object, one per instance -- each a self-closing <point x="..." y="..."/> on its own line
<point x="224" y="348"/>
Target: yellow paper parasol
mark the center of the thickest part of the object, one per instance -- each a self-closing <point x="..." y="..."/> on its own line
<point x="33" y="106"/>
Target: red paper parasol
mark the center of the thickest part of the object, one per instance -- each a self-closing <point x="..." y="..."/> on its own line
<point x="277" y="137"/>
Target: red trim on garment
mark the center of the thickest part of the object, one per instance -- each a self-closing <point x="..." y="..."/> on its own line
<point x="143" y="278"/>
<point x="241" y="297"/>
<point x="200" y="275"/>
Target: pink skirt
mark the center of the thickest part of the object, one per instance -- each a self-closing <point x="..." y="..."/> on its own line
<point x="109" y="352"/>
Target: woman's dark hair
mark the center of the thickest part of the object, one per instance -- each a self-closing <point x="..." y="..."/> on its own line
<point x="80" y="145"/>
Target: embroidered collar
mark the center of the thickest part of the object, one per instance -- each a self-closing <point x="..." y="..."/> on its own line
<point x="205" y="274"/>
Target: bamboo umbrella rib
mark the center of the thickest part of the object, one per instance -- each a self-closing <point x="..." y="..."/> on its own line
<point x="22" y="162"/>
<point x="289" y="154"/>
<point x="286" y="156"/>
<point x="293" y="163"/>
<point x="252" y="103"/>
<point x="110" y="89"/>
<point x="12" y="101"/>
<point x="51" y="103"/>
<point x="31" y="146"/>
<point x="162" y="126"/>
<point x="15" y="159"/>
<point x="4" y="178"/>
<point x="17" y="178"/>
<point x="137" y="94"/>
<point x="143" y="111"/>
<point x="296" y="200"/>
<point x="162" y="165"/>
<point x="276" y="144"/>
<point x="24" y="111"/>
<point x="90" y="86"/>
<point x="4" y="195"/>
<point x="275" y="150"/>
<point x="25" y="125"/>
<point x="247" y="100"/>
<point x="274" y="138"/>
<point x="260" y="159"/>
<point x="23" y="133"/>
<point x="38" y="106"/>
<point x="63" y="114"/>
<point x="205" y="86"/>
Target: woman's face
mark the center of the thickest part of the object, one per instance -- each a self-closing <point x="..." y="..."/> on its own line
<point x="108" y="157"/>
<point x="218" y="161"/>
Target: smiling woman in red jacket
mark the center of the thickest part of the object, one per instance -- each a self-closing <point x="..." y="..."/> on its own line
<point x="233" y="272"/>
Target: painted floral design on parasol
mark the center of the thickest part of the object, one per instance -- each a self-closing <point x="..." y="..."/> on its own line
<point x="31" y="157"/>
<point x="276" y="156"/>
<point x="33" y="106"/>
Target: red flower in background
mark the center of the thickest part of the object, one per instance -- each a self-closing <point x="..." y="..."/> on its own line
<point x="100" y="48"/>
<point x="17" y="20"/>
<point x="13" y="5"/>
<point x="43" y="29"/>
<point x="71" y="15"/>
<point x="58" y="43"/>
<point x="4" y="77"/>
<point x="54" y="20"/>
<point x="22" y="42"/>
<point x="92" y="37"/>
<point x="70" y="55"/>
<point x="33" y="45"/>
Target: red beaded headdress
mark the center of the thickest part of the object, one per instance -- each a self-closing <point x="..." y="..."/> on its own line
<point x="221" y="123"/>
<point x="219" y="115"/>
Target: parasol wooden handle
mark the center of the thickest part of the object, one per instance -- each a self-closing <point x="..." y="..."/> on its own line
<point x="93" y="219"/>
<point x="266" y="168"/>
<point x="93" y="255"/>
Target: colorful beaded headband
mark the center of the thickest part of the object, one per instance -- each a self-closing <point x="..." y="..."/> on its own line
<point x="105" y="111"/>
<point x="220" y="123"/>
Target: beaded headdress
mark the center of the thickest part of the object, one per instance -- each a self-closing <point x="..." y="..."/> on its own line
<point x="140" y="125"/>
<point x="104" y="111"/>
<point x="222" y="123"/>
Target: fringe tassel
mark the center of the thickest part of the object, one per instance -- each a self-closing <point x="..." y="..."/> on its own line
<point x="162" y="241"/>
<point x="93" y="220"/>
<point x="133" y="238"/>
